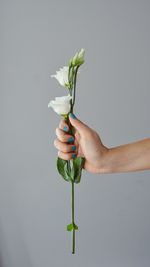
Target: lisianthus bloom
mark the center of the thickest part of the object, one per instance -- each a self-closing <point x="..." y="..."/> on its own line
<point x="62" y="76"/>
<point x="61" y="105"/>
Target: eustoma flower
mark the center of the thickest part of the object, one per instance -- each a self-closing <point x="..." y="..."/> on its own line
<point x="62" y="76"/>
<point x="70" y="170"/>
<point x="61" y="105"/>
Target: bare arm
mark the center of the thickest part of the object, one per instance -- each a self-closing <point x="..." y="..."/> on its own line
<point x="127" y="158"/>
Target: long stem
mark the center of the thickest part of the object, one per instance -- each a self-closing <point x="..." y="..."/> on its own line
<point x="72" y="187"/>
<point x="74" y="77"/>
<point x="73" y="232"/>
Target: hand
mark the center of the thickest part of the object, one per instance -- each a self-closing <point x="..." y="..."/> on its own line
<point x="86" y="143"/>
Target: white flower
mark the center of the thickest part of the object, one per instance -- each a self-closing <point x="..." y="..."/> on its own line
<point x="61" y="105"/>
<point x="62" y="76"/>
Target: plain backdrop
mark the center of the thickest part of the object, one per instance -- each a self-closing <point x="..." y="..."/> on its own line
<point x="113" y="96"/>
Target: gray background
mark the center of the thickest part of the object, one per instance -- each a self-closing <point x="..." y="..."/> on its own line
<point x="111" y="210"/>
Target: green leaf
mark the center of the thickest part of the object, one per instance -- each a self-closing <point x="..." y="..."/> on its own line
<point x="68" y="171"/>
<point x="62" y="167"/>
<point x="72" y="173"/>
<point x="72" y="170"/>
<point x="70" y="227"/>
<point x="78" y="164"/>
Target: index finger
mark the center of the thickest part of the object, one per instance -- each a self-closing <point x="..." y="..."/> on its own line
<point x="63" y="125"/>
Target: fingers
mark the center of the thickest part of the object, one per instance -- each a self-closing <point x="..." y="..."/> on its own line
<point x="66" y="156"/>
<point x="65" y="151"/>
<point x="63" y="125"/>
<point x="63" y="147"/>
<point x="65" y="142"/>
<point x="63" y="137"/>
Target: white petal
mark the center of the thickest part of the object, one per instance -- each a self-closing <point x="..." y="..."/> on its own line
<point x="50" y="104"/>
<point x="63" y="98"/>
<point x="62" y="75"/>
<point x="61" y="105"/>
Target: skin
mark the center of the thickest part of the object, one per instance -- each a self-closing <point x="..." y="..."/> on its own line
<point x="99" y="158"/>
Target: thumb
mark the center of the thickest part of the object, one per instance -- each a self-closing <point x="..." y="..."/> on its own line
<point x="78" y="125"/>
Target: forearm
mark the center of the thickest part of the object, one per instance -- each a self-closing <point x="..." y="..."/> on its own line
<point x="127" y="158"/>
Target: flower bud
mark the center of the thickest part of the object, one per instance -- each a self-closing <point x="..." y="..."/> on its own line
<point x="78" y="59"/>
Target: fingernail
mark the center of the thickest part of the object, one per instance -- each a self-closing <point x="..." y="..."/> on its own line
<point x="73" y="148"/>
<point x="70" y="139"/>
<point x="65" y="128"/>
<point x="72" y="116"/>
<point x="74" y="156"/>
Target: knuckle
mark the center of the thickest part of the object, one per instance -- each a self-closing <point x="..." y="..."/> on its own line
<point x="62" y="122"/>
<point x="66" y="148"/>
<point x="65" y="156"/>
<point x="68" y="156"/>
<point x="56" y="131"/>
<point x="55" y="142"/>
<point x="64" y="126"/>
<point x="60" y="135"/>
<point x="59" y="153"/>
<point x="62" y="138"/>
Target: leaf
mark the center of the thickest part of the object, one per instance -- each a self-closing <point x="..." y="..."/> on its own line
<point x="63" y="169"/>
<point x="70" y="227"/>
<point x="78" y="164"/>
<point x="70" y="170"/>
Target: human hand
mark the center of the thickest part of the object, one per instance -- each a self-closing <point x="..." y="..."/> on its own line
<point x="86" y="143"/>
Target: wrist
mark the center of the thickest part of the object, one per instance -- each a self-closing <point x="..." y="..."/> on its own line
<point x="104" y="162"/>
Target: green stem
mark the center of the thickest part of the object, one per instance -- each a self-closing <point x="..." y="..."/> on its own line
<point x="73" y="232"/>
<point x="73" y="80"/>
<point x="74" y="84"/>
<point x="72" y="186"/>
